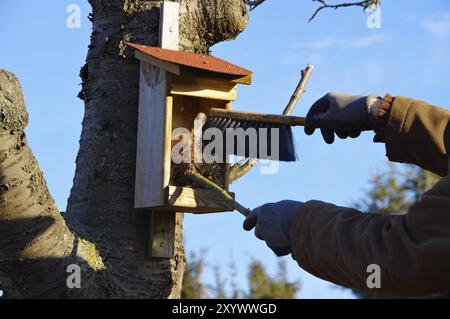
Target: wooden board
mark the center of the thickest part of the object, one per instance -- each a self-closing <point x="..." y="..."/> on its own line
<point x="203" y="87"/>
<point x="161" y="234"/>
<point x="169" y="25"/>
<point x="196" y="200"/>
<point x="167" y="66"/>
<point x="162" y="224"/>
<point x="186" y="108"/>
<point x="188" y="71"/>
<point x="152" y="132"/>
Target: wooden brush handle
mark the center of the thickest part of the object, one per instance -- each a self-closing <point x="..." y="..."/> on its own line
<point x="258" y="117"/>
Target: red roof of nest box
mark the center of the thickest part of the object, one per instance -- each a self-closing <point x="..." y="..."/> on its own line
<point x="175" y="61"/>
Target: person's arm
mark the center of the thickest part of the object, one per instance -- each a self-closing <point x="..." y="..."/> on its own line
<point x="338" y="244"/>
<point x="414" y="132"/>
<point x="413" y="250"/>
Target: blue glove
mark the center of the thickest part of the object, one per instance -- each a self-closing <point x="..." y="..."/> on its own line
<point x="342" y="114"/>
<point x="272" y="223"/>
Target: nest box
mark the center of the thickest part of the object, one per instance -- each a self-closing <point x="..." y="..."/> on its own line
<point x="174" y="87"/>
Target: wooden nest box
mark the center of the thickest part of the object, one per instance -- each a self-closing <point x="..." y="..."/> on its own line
<point x="174" y="87"/>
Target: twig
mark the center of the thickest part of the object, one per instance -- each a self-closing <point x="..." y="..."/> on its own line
<point x="306" y="74"/>
<point x="238" y="163"/>
<point x="206" y="183"/>
<point x="253" y="3"/>
<point x="237" y="171"/>
<point x="365" y="4"/>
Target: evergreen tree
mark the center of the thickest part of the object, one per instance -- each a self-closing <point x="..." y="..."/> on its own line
<point x="264" y="286"/>
<point x="193" y="287"/>
<point x="261" y="284"/>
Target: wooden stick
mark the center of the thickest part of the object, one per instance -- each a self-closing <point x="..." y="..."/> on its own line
<point x="204" y="182"/>
<point x="258" y="117"/>
<point x="306" y="74"/>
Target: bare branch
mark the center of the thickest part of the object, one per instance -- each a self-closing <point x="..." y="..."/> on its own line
<point x="305" y="75"/>
<point x="365" y="4"/>
<point x="254" y="3"/>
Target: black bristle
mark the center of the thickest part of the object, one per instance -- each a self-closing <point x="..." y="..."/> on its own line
<point x="228" y="124"/>
<point x="286" y="146"/>
<point x="220" y="124"/>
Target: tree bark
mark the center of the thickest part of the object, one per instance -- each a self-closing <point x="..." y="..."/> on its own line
<point x="101" y="232"/>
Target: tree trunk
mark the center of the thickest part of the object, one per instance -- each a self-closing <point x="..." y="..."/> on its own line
<point x="107" y="237"/>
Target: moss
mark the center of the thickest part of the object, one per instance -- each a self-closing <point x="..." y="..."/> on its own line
<point x="123" y="46"/>
<point x="89" y="253"/>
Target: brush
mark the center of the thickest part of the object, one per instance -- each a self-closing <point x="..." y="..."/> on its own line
<point x="204" y="182"/>
<point x="264" y="126"/>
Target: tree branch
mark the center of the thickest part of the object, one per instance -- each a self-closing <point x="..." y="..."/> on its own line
<point x="365" y="4"/>
<point x="305" y="75"/>
<point x="36" y="244"/>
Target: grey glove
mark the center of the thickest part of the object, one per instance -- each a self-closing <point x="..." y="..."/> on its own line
<point x="272" y="223"/>
<point x="344" y="114"/>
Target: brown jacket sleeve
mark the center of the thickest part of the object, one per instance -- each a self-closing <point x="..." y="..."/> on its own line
<point x="412" y="250"/>
<point x="418" y="133"/>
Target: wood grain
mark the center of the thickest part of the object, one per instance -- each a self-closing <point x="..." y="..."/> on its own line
<point x="258" y="117"/>
<point x="152" y="132"/>
<point x="161" y="234"/>
<point x="169" y="25"/>
<point x="162" y="224"/>
<point x="203" y="88"/>
<point x="167" y="66"/>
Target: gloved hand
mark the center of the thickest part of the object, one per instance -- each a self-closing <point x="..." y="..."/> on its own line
<point x="343" y="114"/>
<point x="272" y="223"/>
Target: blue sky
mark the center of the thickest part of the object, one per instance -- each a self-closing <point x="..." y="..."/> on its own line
<point x="407" y="56"/>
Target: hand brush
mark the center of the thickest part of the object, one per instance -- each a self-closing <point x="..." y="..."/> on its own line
<point x="227" y="121"/>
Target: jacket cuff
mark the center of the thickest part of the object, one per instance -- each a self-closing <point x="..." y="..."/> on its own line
<point x="383" y="118"/>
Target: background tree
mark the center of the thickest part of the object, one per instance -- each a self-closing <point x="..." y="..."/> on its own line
<point x="261" y="285"/>
<point x="193" y="287"/>
<point x="393" y="190"/>
<point x="264" y="286"/>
